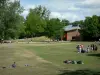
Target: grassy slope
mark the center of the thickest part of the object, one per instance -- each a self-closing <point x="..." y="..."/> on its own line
<point x="44" y="59"/>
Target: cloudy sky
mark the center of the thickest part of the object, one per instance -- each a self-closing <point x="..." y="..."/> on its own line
<point x="71" y="10"/>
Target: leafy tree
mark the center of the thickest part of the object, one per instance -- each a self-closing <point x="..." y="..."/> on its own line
<point x="36" y="21"/>
<point x="10" y="19"/>
<point x="99" y="24"/>
<point x="54" y="28"/>
<point x="76" y="23"/>
<point x="3" y="5"/>
<point x="21" y="28"/>
<point x="65" y="22"/>
<point x="42" y="12"/>
<point x="90" y="28"/>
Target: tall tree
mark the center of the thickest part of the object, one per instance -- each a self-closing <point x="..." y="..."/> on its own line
<point x="36" y="21"/>
<point x="76" y="23"/>
<point x="10" y="19"/>
<point x="42" y="11"/>
<point x="3" y="5"/>
<point x="65" y="22"/>
<point x="90" y="28"/>
<point x="54" y="28"/>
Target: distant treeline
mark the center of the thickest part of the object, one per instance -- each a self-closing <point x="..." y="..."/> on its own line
<point x="39" y="23"/>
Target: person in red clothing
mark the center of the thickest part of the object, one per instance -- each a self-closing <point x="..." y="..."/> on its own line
<point x="82" y="47"/>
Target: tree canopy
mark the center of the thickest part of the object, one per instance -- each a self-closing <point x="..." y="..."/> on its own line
<point x="10" y="19"/>
<point x="91" y="28"/>
<point x="54" y="27"/>
<point x="36" y="21"/>
<point x="39" y="23"/>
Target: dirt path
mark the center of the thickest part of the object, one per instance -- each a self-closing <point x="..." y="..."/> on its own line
<point x="28" y="54"/>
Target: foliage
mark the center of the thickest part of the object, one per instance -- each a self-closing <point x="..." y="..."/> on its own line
<point x="77" y="23"/>
<point x="65" y="22"/>
<point x="54" y="28"/>
<point x="10" y="19"/>
<point x="36" y="21"/>
<point x="91" y="28"/>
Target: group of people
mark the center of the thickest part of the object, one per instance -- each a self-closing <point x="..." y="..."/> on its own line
<point x="73" y="62"/>
<point x="14" y="65"/>
<point x="81" y="49"/>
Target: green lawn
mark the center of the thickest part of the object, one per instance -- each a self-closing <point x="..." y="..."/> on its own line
<point x="45" y="58"/>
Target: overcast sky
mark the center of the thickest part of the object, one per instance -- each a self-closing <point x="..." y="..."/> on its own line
<point x="71" y="10"/>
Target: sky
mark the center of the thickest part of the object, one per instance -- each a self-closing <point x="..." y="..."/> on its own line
<point x="72" y="10"/>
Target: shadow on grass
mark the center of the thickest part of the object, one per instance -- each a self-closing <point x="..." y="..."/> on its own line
<point x="97" y="55"/>
<point x="79" y="72"/>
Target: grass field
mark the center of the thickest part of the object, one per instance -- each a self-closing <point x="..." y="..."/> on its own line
<point x="45" y="58"/>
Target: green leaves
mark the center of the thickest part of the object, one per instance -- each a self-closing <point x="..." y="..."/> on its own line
<point x="36" y="21"/>
<point x="54" y="27"/>
<point x="91" y="28"/>
<point x="65" y="22"/>
<point x="10" y="18"/>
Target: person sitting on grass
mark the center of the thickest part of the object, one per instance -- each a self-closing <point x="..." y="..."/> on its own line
<point x="77" y="48"/>
<point x="14" y="65"/>
<point x="73" y="62"/>
<point x="82" y="46"/>
<point x="68" y="61"/>
<point x="83" y="51"/>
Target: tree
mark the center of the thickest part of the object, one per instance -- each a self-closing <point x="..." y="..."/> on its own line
<point x="99" y="24"/>
<point x="36" y="21"/>
<point x="10" y="19"/>
<point x="76" y="23"/>
<point x="65" y="22"/>
<point x="54" y="28"/>
<point x="90" y="28"/>
<point x="21" y="28"/>
<point x="3" y="5"/>
<point x="42" y="12"/>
